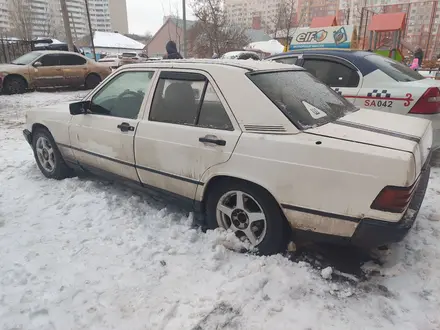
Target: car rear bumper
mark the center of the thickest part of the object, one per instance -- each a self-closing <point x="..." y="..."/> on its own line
<point x="373" y="233"/>
<point x="28" y="136"/>
<point x="365" y="233"/>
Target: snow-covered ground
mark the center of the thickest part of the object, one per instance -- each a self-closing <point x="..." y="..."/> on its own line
<point x="88" y="254"/>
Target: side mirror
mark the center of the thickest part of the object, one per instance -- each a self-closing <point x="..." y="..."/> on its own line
<point x="38" y="64"/>
<point x="79" y="108"/>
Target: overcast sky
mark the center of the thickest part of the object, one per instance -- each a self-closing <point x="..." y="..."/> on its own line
<point x="147" y="15"/>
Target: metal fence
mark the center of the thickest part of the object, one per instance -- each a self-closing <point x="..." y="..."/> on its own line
<point x="11" y="48"/>
<point x="421" y="27"/>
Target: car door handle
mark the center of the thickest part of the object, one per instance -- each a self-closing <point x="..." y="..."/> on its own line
<point x="213" y="140"/>
<point x="125" y="127"/>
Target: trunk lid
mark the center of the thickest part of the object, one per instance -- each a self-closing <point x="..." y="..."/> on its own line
<point x="384" y="130"/>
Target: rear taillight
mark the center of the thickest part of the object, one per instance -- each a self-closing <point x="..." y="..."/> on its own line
<point x="429" y="103"/>
<point x="394" y="199"/>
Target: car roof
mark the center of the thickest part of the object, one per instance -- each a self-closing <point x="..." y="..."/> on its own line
<point x="356" y="57"/>
<point x="44" y="52"/>
<point x="249" y="65"/>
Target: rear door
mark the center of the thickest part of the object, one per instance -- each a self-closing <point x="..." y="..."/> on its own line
<point x="392" y="87"/>
<point x="103" y="140"/>
<point x="74" y="69"/>
<point x="188" y="129"/>
<point x="337" y="73"/>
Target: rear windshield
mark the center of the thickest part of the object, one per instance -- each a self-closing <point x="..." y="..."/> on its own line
<point x="394" y="69"/>
<point x="306" y="101"/>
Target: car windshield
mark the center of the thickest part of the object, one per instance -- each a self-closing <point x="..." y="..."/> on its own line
<point x="26" y="58"/>
<point x="306" y="101"/>
<point x="394" y="69"/>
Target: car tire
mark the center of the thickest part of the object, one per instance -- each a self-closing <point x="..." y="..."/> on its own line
<point x="14" y="85"/>
<point x="48" y="157"/>
<point x="269" y="240"/>
<point x="92" y="81"/>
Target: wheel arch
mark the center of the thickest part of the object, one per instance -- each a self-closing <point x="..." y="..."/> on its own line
<point x="214" y="180"/>
<point x="93" y="73"/>
<point x="16" y="75"/>
<point x="37" y="126"/>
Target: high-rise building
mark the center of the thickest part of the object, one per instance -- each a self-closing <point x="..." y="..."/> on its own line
<point x="255" y="13"/>
<point x="118" y="16"/>
<point x="4" y="17"/>
<point x="105" y="15"/>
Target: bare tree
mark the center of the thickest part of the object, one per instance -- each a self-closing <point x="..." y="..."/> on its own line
<point x="284" y="22"/>
<point x="21" y="18"/>
<point x="213" y="31"/>
<point x="346" y="14"/>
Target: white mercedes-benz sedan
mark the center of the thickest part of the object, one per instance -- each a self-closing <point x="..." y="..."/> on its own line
<point x="261" y="148"/>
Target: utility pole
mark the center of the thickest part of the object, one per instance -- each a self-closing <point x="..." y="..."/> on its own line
<point x="184" y="27"/>
<point x="67" y="25"/>
<point x="74" y="27"/>
<point x="90" y="29"/>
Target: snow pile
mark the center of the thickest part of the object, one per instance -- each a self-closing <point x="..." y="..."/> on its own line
<point x="270" y="47"/>
<point x="326" y="273"/>
<point x="115" y="40"/>
<point x="83" y="253"/>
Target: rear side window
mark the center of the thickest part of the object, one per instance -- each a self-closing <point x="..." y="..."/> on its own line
<point x="188" y="99"/>
<point x="68" y="59"/>
<point x="306" y="101"/>
<point x="394" y="69"/>
<point x="287" y="60"/>
<point x="332" y="73"/>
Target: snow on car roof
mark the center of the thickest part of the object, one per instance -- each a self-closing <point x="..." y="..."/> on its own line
<point x="243" y="64"/>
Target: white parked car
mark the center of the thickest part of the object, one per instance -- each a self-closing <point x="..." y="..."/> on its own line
<point x="112" y="61"/>
<point x="255" y="147"/>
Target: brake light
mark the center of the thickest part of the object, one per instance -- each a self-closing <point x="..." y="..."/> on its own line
<point x="394" y="199"/>
<point x="429" y="103"/>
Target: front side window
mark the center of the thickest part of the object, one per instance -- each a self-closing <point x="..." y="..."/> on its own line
<point x="188" y="99"/>
<point x="394" y="69"/>
<point x="305" y="101"/>
<point x="50" y="60"/>
<point x="332" y="73"/>
<point x="72" y="60"/>
<point x="123" y="95"/>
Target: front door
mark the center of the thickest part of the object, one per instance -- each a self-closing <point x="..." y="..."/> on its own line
<point x="340" y="75"/>
<point x="103" y="139"/>
<point x="50" y="73"/>
<point x="188" y="130"/>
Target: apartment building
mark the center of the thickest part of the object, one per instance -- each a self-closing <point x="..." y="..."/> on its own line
<point x="118" y="16"/>
<point x="254" y="13"/>
<point x="105" y="16"/>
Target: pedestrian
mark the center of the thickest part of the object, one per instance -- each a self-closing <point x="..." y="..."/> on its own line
<point x="415" y="64"/>
<point x="172" y="53"/>
<point x="419" y="55"/>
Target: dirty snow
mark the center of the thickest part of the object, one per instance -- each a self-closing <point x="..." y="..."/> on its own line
<point x="84" y="253"/>
<point x="327" y="273"/>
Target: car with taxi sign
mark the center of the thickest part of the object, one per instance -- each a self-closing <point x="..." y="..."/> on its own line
<point x="372" y="81"/>
<point x="256" y="147"/>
